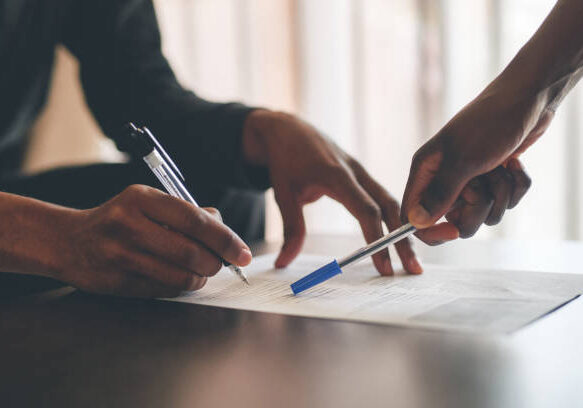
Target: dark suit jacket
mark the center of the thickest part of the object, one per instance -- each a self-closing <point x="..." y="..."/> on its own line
<point x="125" y="78"/>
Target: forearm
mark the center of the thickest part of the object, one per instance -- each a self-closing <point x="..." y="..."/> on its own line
<point x="126" y="78"/>
<point x="551" y="62"/>
<point x="29" y="235"/>
<point x="466" y="162"/>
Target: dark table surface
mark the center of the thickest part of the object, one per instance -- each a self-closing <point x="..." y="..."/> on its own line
<point x="67" y="349"/>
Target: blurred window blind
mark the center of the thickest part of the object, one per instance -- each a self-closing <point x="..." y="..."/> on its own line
<point x="379" y="77"/>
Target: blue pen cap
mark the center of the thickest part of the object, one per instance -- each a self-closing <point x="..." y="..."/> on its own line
<point x="320" y="275"/>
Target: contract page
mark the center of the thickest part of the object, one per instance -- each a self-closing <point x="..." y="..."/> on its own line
<point x="440" y="298"/>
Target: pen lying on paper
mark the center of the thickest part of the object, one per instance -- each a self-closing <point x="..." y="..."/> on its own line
<point x="142" y="143"/>
<point x="335" y="267"/>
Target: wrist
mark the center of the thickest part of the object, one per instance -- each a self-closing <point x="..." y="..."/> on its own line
<point x="260" y="126"/>
<point x="57" y="242"/>
<point x="519" y="93"/>
<point x="551" y="62"/>
<point x="31" y="240"/>
<point x="527" y="85"/>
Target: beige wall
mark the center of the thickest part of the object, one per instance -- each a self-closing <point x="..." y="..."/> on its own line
<point x="66" y="133"/>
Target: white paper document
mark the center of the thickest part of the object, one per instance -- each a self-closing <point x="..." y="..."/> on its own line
<point x="441" y="298"/>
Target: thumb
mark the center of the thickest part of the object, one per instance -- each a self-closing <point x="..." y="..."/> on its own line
<point x="438" y="198"/>
<point x="432" y="189"/>
<point x="294" y="227"/>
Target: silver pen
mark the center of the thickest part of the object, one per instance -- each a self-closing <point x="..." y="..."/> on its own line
<point x="144" y="144"/>
<point x="334" y="268"/>
<point x="381" y="243"/>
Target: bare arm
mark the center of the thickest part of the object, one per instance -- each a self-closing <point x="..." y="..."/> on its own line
<point x="479" y="147"/>
<point x="140" y="243"/>
<point x="28" y="235"/>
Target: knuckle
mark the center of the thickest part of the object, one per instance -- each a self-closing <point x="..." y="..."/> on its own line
<point x="336" y="171"/>
<point x="215" y="213"/>
<point x="227" y="243"/>
<point x="391" y="207"/>
<point x="419" y="157"/>
<point x="372" y="212"/>
<point x="121" y="222"/>
<point x="136" y="190"/>
<point x="212" y="210"/>
<point x="417" y="161"/>
<point x="197" y="220"/>
<point x="198" y="283"/>
<point x="117" y="215"/>
<point x="526" y="181"/>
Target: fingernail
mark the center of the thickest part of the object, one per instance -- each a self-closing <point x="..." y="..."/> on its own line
<point x="419" y="216"/>
<point x="415" y="267"/>
<point x="244" y="257"/>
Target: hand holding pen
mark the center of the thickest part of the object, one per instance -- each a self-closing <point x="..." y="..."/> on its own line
<point x="141" y="243"/>
<point x="142" y="143"/>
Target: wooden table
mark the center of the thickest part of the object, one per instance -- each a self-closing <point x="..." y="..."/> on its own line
<point x="64" y="349"/>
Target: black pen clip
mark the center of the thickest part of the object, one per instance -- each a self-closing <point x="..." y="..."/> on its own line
<point x="143" y="142"/>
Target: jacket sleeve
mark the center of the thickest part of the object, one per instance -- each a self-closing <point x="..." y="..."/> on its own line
<point x="126" y="78"/>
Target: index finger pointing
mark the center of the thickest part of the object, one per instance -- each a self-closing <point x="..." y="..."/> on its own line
<point x="360" y="204"/>
<point x="390" y="213"/>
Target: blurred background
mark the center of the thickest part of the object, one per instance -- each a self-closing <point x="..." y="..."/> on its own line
<point x="377" y="76"/>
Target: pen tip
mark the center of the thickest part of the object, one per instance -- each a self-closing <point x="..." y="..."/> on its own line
<point x="239" y="273"/>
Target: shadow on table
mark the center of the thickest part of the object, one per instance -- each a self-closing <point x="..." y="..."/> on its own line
<point x="14" y="285"/>
<point x="97" y="351"/>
